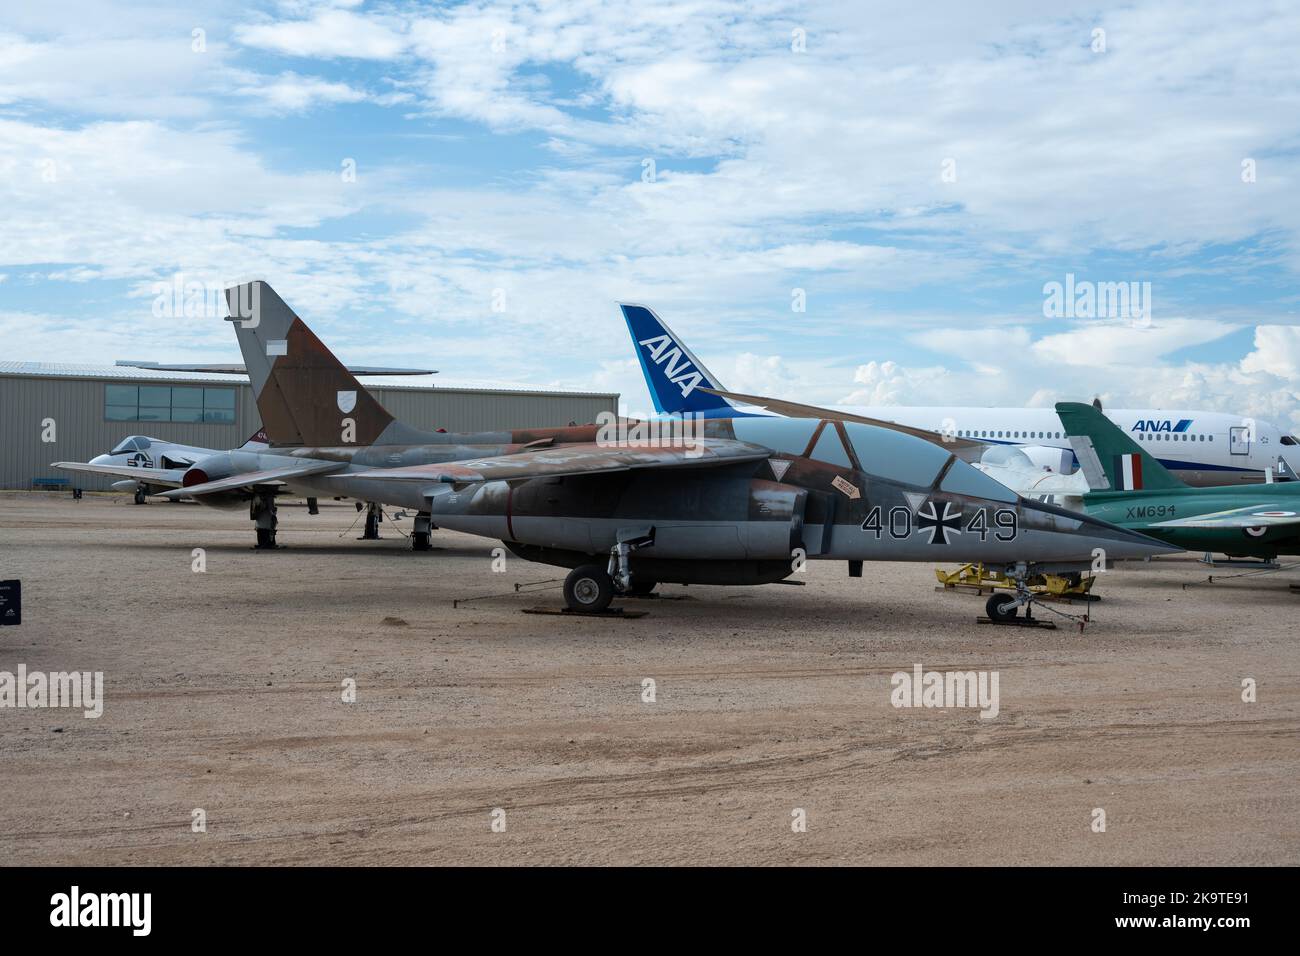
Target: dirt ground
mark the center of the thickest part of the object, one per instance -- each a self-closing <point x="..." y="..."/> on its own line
<point x="223" y="692"/>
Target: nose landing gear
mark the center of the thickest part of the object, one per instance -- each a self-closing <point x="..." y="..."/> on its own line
<point x="1004" y="608"/>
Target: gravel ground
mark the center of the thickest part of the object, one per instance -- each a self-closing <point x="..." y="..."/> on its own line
<point x="223" y="692"/>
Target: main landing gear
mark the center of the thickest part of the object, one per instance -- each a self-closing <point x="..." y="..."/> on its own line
<point x="140" y="498"/>
<point x="262" y="510"/>
<point x="590" y="588"/>
<point x="421" y="534"/>
<point x="374" y="515"/>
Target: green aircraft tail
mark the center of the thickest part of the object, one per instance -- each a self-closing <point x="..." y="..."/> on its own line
<point x="1102" y="449"/>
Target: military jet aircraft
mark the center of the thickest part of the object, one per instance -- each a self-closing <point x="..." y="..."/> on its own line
<point x="746" y="501"/>
<point x="1133" y="490"/>
<point x="629" y="505"/>
<point x="149" y="465"/>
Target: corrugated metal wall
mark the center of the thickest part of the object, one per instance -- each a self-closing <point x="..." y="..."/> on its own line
<point x="77" y="407"/>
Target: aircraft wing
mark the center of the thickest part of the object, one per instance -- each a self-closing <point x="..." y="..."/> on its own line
<point x="170" y="477"/>
<point x="1264" y="514"/>
<point x="249" y="479"/>
<point x="798" y="410"/>
<point x="587" y="458"/>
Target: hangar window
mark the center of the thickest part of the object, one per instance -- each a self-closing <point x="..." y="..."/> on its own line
<point x="165" y="403"/>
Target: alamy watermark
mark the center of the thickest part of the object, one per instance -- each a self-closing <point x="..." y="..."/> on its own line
<point x="685" y="431"/>
<point x="946" y="689"/>
<point x="81" y="690"/>
<point x="1084" y="299"/>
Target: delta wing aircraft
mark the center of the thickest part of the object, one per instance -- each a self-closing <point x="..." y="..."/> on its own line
<point x="1133" y="490"/>
<point x="741" y="501"/>
<point x="1203" y="448"/>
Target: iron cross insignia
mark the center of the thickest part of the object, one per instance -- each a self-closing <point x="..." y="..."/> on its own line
<point x="928" y="519"/>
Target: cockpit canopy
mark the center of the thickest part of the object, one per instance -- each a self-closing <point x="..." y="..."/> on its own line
<point x="881" y="452"/>
<point x="130" y="444"/>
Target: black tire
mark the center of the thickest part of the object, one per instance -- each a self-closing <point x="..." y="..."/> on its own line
<point x="265" y="538"/>
<point x="420" y="541"/>
<point x="139" y="496"/>
<point x="642" y="586"/>
<point x="588" y="589"/>
<point x="993" y="608"/>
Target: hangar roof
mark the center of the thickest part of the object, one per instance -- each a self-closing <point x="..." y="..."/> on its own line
<point x="136" y="374"/>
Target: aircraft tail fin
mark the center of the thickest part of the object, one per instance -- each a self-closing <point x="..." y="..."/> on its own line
<point x="304" y="394"/>
<point x="256" y="441"/>
<point x="1107" y="455"/>
<point x="673" y="374"/>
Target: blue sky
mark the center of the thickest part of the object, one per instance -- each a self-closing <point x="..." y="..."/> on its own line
<point x="920" y="174"/>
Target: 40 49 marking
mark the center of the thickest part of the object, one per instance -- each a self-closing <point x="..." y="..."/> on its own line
<point x="899" y="521"/>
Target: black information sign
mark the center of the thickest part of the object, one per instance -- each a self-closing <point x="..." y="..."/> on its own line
<point x="11" y="602"/>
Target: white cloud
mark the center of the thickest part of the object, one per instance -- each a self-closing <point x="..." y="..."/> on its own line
<point x="776" y="170"/>
<point x="327" y="35"/>
<point x="291" y="93"/>
<point x="1115" y="343"/>
<point x="1277" y="352"/>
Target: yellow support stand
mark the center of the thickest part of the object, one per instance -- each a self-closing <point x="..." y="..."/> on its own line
<point x="977" y="579"/>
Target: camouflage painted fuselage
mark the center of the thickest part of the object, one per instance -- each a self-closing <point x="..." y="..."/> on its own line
<point x="817" y="490"/>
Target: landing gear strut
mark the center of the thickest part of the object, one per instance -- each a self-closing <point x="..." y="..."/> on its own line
<point x="262" y="511"/>
<point x="590" y="588"/>
<point x="1003" y="608"/>
<point x="374" y="515"/>
<point x="420" y="536"/>
<point x="620" y="571"/>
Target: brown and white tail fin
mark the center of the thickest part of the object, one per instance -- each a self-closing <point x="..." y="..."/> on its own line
<point x="304" y="394"/>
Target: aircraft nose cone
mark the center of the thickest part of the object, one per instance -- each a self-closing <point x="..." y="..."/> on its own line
<point x="1114" y="542"/>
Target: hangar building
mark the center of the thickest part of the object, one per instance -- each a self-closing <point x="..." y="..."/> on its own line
<point x="92" y="408"/>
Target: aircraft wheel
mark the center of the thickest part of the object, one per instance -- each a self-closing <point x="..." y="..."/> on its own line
<point x="642" y="586"/>
<point x="993" y="608"/>
<point x="139" y="496"/>
<point x="420" y="541"/>
<point x="588" y="588"/>
<point x="265" y="538"/>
